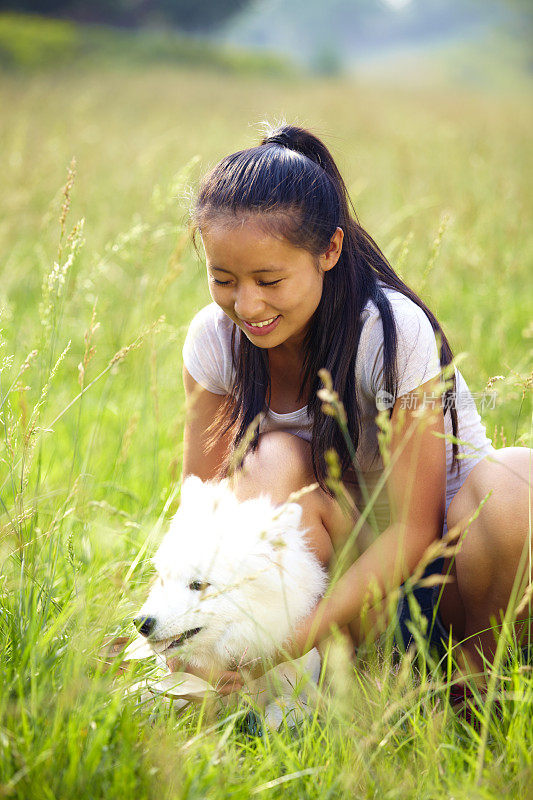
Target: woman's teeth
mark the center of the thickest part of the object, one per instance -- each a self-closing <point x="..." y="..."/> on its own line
<point x="261" y="324"/>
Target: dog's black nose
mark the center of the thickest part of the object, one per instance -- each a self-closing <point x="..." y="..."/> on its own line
<point x="144" y="625"/>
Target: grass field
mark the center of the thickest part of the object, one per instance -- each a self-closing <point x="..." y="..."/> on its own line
<point x="91" y="454"/>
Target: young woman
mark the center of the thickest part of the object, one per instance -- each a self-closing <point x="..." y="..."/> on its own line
<point x="299" y="286"/>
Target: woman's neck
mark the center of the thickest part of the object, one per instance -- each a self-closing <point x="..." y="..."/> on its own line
<point x="285" y="379"/>
<point x="286" y="357"/>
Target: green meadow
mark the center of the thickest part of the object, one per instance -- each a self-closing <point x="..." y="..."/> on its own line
<point x="99" y="282"/>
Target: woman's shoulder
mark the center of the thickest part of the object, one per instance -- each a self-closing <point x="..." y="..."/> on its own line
<point x="417" y="358"/>
<point x="207" y="349"/>
<point x="405" y="311"/>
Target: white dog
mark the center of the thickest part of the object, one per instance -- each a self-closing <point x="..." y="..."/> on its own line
<point x="233" y="580"/>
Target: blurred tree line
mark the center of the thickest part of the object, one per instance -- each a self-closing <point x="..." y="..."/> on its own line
<point x="188" y="15"/>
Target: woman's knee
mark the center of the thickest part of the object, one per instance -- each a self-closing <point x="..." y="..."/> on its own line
<point x="491" y="512"/>
<point x="280" y="464"/>
<point x="497" y="491"/>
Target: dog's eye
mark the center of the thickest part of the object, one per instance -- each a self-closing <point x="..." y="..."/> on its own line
<point x="198" y="586"/>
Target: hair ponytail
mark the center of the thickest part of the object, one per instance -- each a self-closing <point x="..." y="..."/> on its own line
<point x="306" y="143"/>
<point x="293" y="186"/>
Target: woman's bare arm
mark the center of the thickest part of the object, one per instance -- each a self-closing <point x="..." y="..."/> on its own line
<point x="202" y="407"/>
<point x="416" y="489"/>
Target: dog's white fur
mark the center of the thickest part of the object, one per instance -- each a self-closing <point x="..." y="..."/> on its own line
<point x="257" y="575"/>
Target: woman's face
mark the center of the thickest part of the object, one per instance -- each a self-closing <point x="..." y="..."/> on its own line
<point x="267" y="286"/>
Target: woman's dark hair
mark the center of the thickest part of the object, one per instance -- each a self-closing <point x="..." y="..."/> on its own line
<point x="291" y="185"/>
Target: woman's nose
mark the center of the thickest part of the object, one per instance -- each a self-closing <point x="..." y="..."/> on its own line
<point x="248" y="303"/>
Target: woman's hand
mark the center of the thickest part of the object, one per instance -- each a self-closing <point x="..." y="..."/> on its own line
<point x="224" y="683"/>
<point x="297" y="646"/>
<point x="229" y="682"/>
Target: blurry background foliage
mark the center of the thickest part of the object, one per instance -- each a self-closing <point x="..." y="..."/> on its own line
<point x="482" y="43"/>
<point x="29" y="42"/>
<point x="185" y="14"/>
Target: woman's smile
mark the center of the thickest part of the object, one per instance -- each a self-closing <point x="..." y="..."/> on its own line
<point x="261" y="328"/>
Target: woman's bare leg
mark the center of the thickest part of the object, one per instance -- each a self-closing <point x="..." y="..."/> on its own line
<point x="494" y="563"/>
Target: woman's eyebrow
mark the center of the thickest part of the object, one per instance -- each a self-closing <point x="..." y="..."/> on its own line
<point x="255" y="271"/>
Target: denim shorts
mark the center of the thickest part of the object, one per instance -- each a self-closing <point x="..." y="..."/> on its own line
<point x="436" y="634"/>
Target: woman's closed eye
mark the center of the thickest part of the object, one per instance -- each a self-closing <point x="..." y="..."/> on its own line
<point x="259" y="283"/>
<point x="270" y="283"/>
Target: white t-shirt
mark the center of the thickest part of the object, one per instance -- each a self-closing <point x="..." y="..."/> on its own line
<point x="207" y="357"/>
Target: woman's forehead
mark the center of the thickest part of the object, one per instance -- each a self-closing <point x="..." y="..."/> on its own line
<point x="249" y="245"/>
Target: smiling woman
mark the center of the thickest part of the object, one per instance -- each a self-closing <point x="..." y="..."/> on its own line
<point x="280" y="298"/>
<point x="299" y="286"/>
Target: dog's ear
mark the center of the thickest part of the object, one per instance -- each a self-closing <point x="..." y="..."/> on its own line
<point x="290" y="515"/>
<point x="190" y="488"/>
